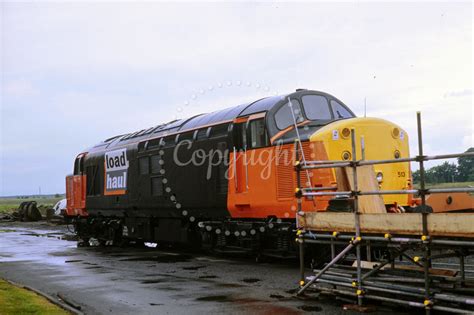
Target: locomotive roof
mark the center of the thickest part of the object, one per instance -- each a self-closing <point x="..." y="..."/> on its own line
<point x="197" y="121"/>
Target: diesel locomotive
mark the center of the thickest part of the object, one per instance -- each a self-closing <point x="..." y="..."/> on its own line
<point x="226" y="179"/>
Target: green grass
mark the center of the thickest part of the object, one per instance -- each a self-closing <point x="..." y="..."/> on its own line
<point x="446" y="185"/>
<point x="10" y="204"/>
<point x="15" y="300"/>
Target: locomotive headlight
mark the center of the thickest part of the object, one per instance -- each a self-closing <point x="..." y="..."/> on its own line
<point x="346" y="155"/>
<point x="395" y="133"/>
<point x="379" y="177"/>
<point x="345" y="133"/>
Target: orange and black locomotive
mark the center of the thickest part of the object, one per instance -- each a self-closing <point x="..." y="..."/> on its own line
<point x="226" y="179"/>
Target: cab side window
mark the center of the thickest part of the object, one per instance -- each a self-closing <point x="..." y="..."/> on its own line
<point x="258" y="137"/>
<point x="240" y="138"/>
<point x="79" y="165"/>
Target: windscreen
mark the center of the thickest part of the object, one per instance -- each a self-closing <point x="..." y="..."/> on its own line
<point x="316" y="107"/>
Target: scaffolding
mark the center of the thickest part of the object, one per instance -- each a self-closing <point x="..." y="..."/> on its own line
<point x="407" y="274"/>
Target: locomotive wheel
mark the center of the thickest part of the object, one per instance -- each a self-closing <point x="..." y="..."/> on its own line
<point x="260" y="258"/>
<point x="83" y="243"/>
<point x="195" y="239"/>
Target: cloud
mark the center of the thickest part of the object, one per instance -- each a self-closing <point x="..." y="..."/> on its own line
<point x="18" y="88"/>
<point x="76" y="73"/>
<point x="465" y="92"/>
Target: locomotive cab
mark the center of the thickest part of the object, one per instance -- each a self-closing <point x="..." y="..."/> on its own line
<point x="326" y="123"/>
<point x="309" y="110"/>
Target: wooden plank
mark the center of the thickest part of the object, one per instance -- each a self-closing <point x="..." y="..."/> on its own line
<point x="433" y="271"/>
<point x="454" y="224"/>
<point x="341" y="180"/>
<point x="366" y="181"/>
<point x="439" y="224"/>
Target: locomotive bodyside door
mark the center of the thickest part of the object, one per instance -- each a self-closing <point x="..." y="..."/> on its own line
<point x="239" y="152"/>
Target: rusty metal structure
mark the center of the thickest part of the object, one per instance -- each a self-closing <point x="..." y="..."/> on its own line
<point x="424" y="262"/>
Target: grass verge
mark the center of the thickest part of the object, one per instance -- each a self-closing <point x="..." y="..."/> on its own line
<point x="15" y="300"/>
<point x="446" y="185"/>
<point x="8" y="205"/>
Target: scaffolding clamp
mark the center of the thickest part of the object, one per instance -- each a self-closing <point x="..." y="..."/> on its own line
<point x="420" y="158"/>
<point x="297" y="165"/>
<point x="298" y="193"/>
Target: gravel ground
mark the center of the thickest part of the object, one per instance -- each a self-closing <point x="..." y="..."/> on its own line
<point x="104" y="280"/>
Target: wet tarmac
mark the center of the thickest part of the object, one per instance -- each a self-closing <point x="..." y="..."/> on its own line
<point x="111" y="280"/>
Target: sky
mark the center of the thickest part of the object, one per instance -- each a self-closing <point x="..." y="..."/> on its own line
<point x="76" y="73"/>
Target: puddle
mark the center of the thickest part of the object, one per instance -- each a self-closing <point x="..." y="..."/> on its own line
<point x="6" y="231"/>
<point x="310" y="308"/>
<point x="150" y="281"/>
<point x="94" y="267"/>
<point x="214" y="298"/>
<point x="208" y="277"/>
<point x="167" y="288"/>
<point x="62" y="254"/>
<point x="58" y="236"/>
<point x="250" y="280"/>
<point x="194" y="267"/>
<point x="229" y="285"/>
<point x="73" y="261"/>
<point x="31" y="234"/>
<point x="276" y="296"/>
<point x="156" y="304"/>
<point x="161" y="259"/>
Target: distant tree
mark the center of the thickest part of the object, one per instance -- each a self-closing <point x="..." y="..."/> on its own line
<point x="466" y="167"/>
<point x="416" y="176"/>
<point x="445" y="173"/>
<point x="57" y="196"/>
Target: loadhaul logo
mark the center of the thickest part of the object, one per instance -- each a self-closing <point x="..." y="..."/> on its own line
<point x="116" y="169"/>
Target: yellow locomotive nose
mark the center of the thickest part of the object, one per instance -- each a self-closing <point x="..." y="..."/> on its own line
<point x="376" y="139"/>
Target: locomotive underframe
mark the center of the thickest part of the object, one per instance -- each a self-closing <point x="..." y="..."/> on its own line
<point x="258" y="238"/>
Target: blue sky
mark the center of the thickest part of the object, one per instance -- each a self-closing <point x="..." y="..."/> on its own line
<point x="73" y="74"/>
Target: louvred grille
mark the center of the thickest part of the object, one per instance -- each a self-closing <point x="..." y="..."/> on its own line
<point x="286" y="176"/>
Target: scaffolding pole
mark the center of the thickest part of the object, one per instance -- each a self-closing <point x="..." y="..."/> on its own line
<point x="377" y="283"/>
